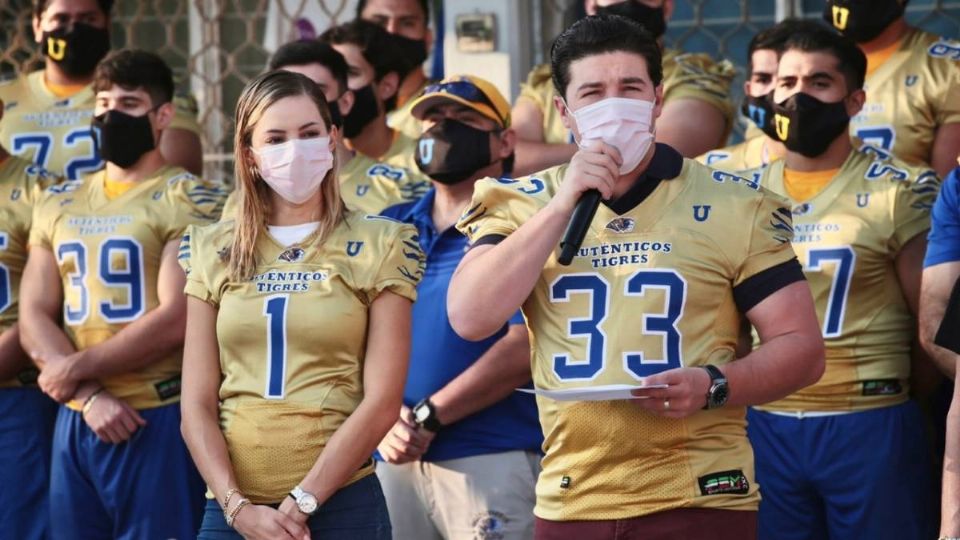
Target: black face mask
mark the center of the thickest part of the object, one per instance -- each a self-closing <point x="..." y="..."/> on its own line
<point x="651" y="18"/>
<point x="862" y="20"/>
<point x="123" y="139"/>
<point x="78" y="49"/>
<point x="365" y="110"/>
<point x="451" y="151"/>
<point x="413" y="53"/>
<point x="760" y="111"/>
<point x="807" y="125"/>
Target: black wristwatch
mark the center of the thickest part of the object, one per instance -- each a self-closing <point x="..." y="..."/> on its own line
<point x="719" y="389"/>
<point x="425" y="414"/>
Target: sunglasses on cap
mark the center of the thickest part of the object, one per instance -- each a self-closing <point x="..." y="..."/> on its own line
<point x="461" y="89"/>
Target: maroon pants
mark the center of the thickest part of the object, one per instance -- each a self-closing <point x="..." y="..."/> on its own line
<point x="679" y="524"/>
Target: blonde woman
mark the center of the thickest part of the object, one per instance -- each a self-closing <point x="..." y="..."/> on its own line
<point x="298" y="323"/>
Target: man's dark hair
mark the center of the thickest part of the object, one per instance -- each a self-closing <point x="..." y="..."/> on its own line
<point x="312" y="51"/>
<point x="39" y="6"/>
<point x="851" y="61"/>
<point x="374" y="43"/>
<point x="132" y="69"/>
<point x="775" y="37"/>
<point x="600" y="34"/>
<point x="424" y="5"/>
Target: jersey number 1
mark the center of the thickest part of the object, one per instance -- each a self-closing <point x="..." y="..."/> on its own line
<point x="275" y="310"/>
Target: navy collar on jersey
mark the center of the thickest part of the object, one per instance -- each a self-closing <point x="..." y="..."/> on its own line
<point x="665" y="165"/>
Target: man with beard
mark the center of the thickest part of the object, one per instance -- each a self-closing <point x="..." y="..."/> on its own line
<point x="48" y="111"/>
<point x="462" y="459"/>
<point x="913" y="83"/>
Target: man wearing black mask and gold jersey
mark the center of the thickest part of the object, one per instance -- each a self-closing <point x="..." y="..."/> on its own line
<point x="47" y="117"/>
<point x="761" y="145"/>
<point x="462" y="458"/>
<point x="913" y="83"/>
<point x="375" y="71"/>
<point x="102" y="315"/>
<point x="847" y="457"/>
<point x="408" y="23"/>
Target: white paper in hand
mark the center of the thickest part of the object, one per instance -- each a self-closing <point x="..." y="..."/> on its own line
<point x="607" y="392"/>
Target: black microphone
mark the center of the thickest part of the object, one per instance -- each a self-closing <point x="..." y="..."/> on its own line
<point x="579" y="224"/>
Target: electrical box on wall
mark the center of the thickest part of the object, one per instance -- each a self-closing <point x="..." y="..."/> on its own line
<point x="490" y="39"/>
<point x="476" y="32"/>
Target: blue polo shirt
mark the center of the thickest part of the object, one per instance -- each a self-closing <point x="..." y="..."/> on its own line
<point x="438" y="355"/>
<point x="943" y="243"/>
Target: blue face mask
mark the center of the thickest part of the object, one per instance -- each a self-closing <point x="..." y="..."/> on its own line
<point x="760" y="111"/>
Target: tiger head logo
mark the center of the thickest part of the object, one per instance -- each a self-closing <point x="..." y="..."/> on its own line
<point x="293" y="254"/>
<point x="621" y="225"/>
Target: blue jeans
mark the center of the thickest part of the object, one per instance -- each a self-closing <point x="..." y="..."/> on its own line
<point x="355" y="512"/>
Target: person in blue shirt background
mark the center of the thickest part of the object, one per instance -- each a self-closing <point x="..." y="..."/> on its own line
<point x="463" y="457"/>
<point x="941" y="269"/>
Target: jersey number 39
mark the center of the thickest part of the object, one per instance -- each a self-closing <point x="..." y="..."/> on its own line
<point x="76" y="308"/>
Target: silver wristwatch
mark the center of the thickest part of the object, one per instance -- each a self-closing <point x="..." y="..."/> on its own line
<point x="306" y="502"/>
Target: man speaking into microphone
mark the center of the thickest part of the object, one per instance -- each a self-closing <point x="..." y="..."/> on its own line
<point x="674" y="257"/>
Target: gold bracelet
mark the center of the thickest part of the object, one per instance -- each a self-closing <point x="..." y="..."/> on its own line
<point x="88" y="403"/>
<point x="236" y="510"/>
<point x="230" y="494"/>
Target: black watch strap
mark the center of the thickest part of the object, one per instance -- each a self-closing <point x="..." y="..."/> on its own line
<point x="714" y="372"/>
<point x="718" y="392"/>
<point x="430" y="421"/>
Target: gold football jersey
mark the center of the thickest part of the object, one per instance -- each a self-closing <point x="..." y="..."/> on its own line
<point x="108" y="253"/>
<point x="648" y="291"/>
<point x="54" y="132"/>
<point x="21" y="183"/>
<point x="694" y="76"/>
<point x="370" y="186"/>
<point x="750" y="154"/>
<point x="847" y="237"/>
<point x="909" y="96"/>
<point x="292" y="339"/>
<point x="402" y="153"/>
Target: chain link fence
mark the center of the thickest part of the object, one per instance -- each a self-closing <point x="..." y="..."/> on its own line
<point x="216" y="46"/>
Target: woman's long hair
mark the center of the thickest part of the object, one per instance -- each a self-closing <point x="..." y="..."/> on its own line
<point x="254" y="204"/>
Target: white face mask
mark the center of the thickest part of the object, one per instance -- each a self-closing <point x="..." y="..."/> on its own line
<point x="295" y="169"/>
<point x="624" y="123"/>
